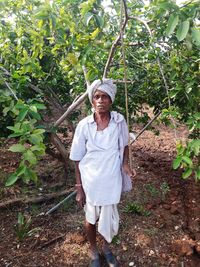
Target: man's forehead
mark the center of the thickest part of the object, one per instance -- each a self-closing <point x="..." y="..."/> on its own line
<point x="99" y="92"/>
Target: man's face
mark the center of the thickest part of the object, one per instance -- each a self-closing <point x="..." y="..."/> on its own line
<point x="101" y="101"/>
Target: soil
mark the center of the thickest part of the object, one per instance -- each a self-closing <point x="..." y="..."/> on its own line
<point x="159" y="218"/>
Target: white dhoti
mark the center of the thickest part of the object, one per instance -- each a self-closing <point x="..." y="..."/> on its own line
<point x="108" y="219"/>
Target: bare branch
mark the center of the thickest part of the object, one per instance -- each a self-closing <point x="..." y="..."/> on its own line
<point x="5" y="70"/>
<point x="33" y="199"/>
<point x="115" y="44"/>
<point x="11" y="90"/>
<point x="59" y="145"/>
<point x="132" y="44"/>
<point x="143" y="22"/>
<point x="145" y="127"/>
<point x="35" y="88"/>
<point x="122" y="81"/>
<point x="71" y="108"/>
<point x="85" y="75"/>
<point x="75" y="104"/>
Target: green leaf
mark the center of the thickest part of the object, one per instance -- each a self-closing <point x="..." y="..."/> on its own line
<point x="197" y="173"/>
<point x="39" y="131"/>
<point x="187" y="173"/>
<point x="42" y="14"/>
<point x="35" y="139"/>
<point x="95" y="33"/>
<point x="36" y="148"/>
<point x="22" y="114"/>
<point x="31" y="175"/>
<point x="177" y="162"/>
<point x="99" y="21"/>
<point x="39" y="106"/>
<point x="183" y="30"/>
<point x="197" y="116"/>
<point x="196" y="36"/>
<point x="87" y="18"/>
<point x="16" y="128"/>
<point x="20" y="105"/>
<point x="30" y="157"/>
<point x="187" y="160"/>
<point x="11" y="179"/>
<point x="195" y="146"/>
<point x="33" y="108"/>
<point x="171" y="24"/>
<point x="17" y="148"/>
<point x="20" y="170"/>
<point x="35" y="115"/>
<point x="20" y="218"/>
<point x="15" y="135"/>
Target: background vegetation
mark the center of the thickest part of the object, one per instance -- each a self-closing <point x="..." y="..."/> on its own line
<point x="51" y="50"/>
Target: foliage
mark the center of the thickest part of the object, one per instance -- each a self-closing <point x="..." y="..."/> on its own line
<point x="30" y="143"/>
<point x="164" y="188"/>
<point x="6" y="119"/>
<point x="157" y="192"/>
<point x="183" y="159"/>
<point x="22" y="228"/>
<point x="116" y="240"/>
<point x="136" y="208"/>
<point x="45" y="44"/>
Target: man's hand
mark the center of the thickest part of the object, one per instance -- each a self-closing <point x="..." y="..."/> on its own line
<point x="128" y="171"/>
<point x="80" y="196"/>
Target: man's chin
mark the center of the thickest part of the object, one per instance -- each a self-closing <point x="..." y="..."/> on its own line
<point x="102" y="110"/>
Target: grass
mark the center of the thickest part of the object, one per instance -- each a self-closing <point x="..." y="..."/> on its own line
<point x="136" y="208"/>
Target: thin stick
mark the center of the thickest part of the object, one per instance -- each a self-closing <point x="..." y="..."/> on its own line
<point x="123" y="7"/>
<point x="161" y="71"/>
<point x="31" y="200"/>
<point x="11" y="90"/>
<point x="149" y="123"/>
<point x="113" y="48"/>
<point x="60" y="203"/>
<point x="49" y="242"/>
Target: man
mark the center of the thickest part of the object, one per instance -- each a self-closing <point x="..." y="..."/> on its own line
<point x="100" y="152"/>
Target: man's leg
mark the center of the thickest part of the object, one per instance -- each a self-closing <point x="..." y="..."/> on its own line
<point x="105" y="247"/>
<point x="110" y="258"/>
<point x="91" y="235"/>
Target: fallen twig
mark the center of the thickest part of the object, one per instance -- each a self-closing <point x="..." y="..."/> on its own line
<point x="60" y="203"/>
<point x="49" y="242"/>
<point x="31" y="200"/>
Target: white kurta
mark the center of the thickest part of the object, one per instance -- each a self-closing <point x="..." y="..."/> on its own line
<point x="99" y="156"/>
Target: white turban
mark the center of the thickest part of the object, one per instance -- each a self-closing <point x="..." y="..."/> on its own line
<point x="105" y="85"/>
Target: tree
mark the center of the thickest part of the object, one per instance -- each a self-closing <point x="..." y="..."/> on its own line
<point x="51" y="50"/>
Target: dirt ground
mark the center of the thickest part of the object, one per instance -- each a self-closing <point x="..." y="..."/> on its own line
<point x="159" y="218"/>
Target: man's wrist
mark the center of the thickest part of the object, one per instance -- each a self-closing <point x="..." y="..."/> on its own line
<point x="78" y="185"/>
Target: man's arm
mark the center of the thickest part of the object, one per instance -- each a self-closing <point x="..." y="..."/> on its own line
<point x="125" y="165"/>
<point x="80" y="197"/>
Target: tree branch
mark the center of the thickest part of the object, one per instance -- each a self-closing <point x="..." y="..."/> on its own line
<point x="70" y="109"/>
<point x="75" y="104"/>
<point x="143" y="22"/>
<point x="11" y="90"/>
<point x="145" y="127"/>
<point x="115" y="43"/>
<point x="31" y="200"/>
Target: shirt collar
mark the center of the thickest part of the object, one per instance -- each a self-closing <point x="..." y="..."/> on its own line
<point x="117" y="117"/>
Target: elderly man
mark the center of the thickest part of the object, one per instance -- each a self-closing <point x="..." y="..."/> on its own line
<point x="100" y="152"/>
